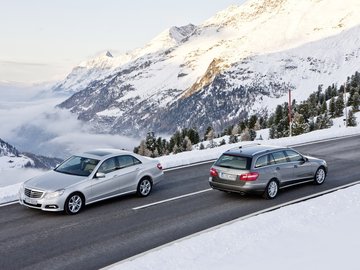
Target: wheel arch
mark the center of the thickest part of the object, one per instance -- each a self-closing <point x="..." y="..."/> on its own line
<point x="146" y="176"/>
<point x="76" y="192"/>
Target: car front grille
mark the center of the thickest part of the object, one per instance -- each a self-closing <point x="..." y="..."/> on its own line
<point x="33" y="193"/>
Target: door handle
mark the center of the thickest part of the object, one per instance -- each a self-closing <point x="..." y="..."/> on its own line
<point x="278" y="168"/>
<point x="295" y="166"/>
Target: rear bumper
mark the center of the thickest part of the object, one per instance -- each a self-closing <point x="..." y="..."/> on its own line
<point x="158" y="178"/>
<point x="247" y="188"/>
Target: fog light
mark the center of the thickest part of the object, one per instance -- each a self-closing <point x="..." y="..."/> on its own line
<point x="52" y="206"/>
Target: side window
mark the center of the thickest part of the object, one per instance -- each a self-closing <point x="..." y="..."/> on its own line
<point x="271" y="159"/>
<point x="126" y="161"/>
<point x="261" y="161"/>
<point x="293" y="156"/>
<point x="136" y="161"/>
<point x="279" y="157"/>
<point x="108" y="166"/>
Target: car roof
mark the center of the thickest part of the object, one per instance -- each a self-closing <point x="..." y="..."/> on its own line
<point x="103" y="153"/>
<point x="252" y="150"/>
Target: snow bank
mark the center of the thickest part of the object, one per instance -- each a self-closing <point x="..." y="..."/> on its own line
<point x="321" y="233"/>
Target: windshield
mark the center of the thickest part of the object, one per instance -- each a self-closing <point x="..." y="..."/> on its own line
<point x="234" y="162"/>
<point x="77" y="166"/>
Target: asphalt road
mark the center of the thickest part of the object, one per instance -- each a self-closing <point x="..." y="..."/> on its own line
<point x="110" y="231"/>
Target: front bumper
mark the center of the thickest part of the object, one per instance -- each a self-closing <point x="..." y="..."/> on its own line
<point x="53" y="205"/>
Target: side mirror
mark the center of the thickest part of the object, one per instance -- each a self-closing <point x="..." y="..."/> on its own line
<point x="100" y="175"/>
<point x="305" y="159"/>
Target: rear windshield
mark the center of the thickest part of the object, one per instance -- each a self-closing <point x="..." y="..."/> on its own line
<point x="234" y="162"/>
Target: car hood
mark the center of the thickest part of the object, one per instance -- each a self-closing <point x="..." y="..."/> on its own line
<point x="53" y="181"/>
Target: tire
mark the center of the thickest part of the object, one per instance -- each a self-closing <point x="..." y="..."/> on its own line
<point x="144" y="187"/>
<point x="73" y="204"/>
<point x="320" y="175"/>
<point x="271" y="190"/>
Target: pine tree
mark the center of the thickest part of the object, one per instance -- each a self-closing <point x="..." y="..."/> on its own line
<point x="206" y="132"/>
<point x="328" y="93"/>
<point x="311" y="123"/>
<point x="326" y="121"/>
<point x="252" y="134"/>
<point x="252" y="121"/>
<point x="299" y="126"/>
<point x="263" y="121"/>
<point x="272" y="132"/>
<point x="245" y="135"/>
<point x="186" y="145"/>
<point x="150" y="142"/>
<point x="304" y="110"/>
<point x="143" y="150"/>
<point x="210" y="137"/>
<point x="323" y="107"/>
<point x="257" y="125"/>
<point x="242" y="126"/>
<point x="155" y="153"/>
<point x="222" y="142"/>
<point x="312" y="105"/>
<point x="351" y="119"/>
<point x="234" y="133"/>
<point x="332" y="107"/>
<point x="352" y="92"/>
<point x="176" y="149"/>
<point x="356" y="102"/>
<point x="339" y="106"/>
<point x="278" y="114"/>
<point x="193" y="136"/>
<point x="323" y="121"/>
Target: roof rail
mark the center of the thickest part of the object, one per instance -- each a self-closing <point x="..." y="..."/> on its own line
<point x="249" y="145"/>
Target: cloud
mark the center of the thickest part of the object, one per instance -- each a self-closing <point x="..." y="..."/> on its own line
<point x="38" y="127"/>
<point x="20" y="64"/>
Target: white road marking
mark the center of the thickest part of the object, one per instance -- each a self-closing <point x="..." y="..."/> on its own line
<point x="9" y="203"/>
<point x="171" y="199"/>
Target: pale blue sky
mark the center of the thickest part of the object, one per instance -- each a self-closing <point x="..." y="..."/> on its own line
<point x="41" y="40"/>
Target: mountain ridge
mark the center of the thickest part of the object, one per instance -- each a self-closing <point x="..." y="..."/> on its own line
<point x="262" y="49"/>
<point x="10" y="158"/>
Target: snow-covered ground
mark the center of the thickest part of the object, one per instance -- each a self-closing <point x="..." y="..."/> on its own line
<point x="321" y="233"/>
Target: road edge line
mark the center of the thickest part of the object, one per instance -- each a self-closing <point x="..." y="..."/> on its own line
<point x="8" y="203"/>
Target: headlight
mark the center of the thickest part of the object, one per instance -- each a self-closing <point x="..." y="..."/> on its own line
<point x="55" y="194"/>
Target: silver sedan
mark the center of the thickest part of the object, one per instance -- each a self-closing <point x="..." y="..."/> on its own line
<point x="90" y="177"/>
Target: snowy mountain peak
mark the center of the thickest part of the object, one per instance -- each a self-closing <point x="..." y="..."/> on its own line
<point x="240" y="61"/>
<point x="181" y="33"/>
<point x="103" y="61"/>
<point x="108" y="54"/>
<point x="7" y="149"/>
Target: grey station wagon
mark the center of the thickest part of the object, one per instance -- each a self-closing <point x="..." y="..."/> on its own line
<point x="264" y="170"/>
<point x="91" y="177"/>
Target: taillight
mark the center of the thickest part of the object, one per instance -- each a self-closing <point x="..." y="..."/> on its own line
<point x="159" y="166"/>
<point x="251" y="176"/>
<point x="213" y="172"/>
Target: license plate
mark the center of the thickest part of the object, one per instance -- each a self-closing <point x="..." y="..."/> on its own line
<point x="226" y="176"/>
<point x="31" y="201"/>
